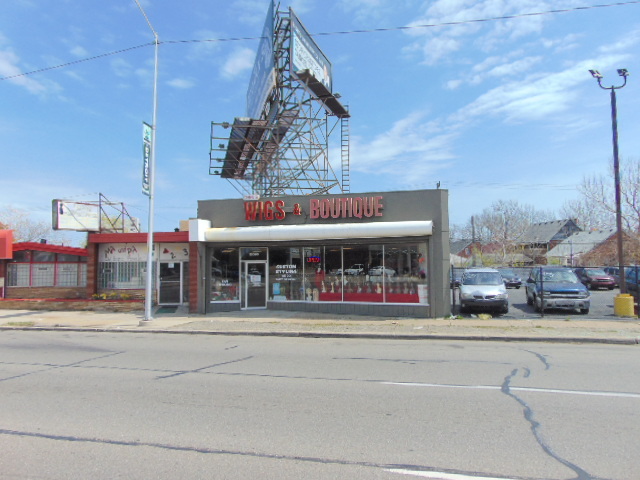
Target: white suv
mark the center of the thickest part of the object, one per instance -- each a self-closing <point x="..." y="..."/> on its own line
<point x="483" y="289"/>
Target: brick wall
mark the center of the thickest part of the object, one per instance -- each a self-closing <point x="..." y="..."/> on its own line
<point x="92" y="269"/>
<point x="73" y="305"/>
<point x="45" y="292"/>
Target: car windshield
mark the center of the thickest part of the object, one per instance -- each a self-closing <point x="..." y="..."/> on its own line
<point x="482" y="278"/>
<point x="595" y="271"/>
<point x="559" y="276"/>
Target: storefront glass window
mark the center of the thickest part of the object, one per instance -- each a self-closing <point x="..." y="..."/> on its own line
<point x="122" y="275"/>
<point x="409" y="282"/>
<point x="358" y="285"/>
<point x="328" y="279"/>
<point x="43" y="256"/>
<point x="225" y="276"/>
<point x="285" y="274"/>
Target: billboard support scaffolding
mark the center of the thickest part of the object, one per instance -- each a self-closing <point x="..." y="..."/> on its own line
<point x="282" y="146"/>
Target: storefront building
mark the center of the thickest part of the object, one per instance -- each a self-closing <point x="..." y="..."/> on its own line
<point x="40" y="270"/>
<point x="382" y="253"/>
<point x="118" y="266"/>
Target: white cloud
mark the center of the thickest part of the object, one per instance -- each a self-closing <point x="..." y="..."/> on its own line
<point x="9" y="68"/>
<point x="181" y="83"/>
<point x="440" y="43"/>
<point x="79" y="51"/>
<point x="412" y="147"/>
<point x="240" y="61"/>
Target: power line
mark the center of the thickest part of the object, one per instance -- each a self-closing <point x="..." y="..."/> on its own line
<point x="62" y="65"/>
<point x="479" y="20"/>
<point x="346" y="32"/>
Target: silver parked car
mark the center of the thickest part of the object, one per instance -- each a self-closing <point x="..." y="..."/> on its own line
<point x="483" y="289"/>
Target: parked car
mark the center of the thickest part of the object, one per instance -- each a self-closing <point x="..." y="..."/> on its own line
<point x="594" y="278"/>
<point x="379" y="271"/>
<point x="556" y="287"/>
<point x="355" y="269"/>
<point x="615" y="273"/>
<point x="631" y="279"/>
<point x="511" y="280"/>
<point x="483" y="289"/>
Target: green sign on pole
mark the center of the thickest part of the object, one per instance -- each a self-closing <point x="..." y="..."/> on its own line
<point x="146" y="152"/>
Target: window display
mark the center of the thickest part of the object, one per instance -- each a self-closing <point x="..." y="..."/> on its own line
<point x="225" y="275"/>
<point x="285" y="274"/>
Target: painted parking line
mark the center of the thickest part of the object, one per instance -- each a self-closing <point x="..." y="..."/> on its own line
<point x="519" y="389"/>
<point x="440" y="475"/>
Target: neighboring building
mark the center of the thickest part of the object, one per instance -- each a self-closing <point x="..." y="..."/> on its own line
<point x="41" y="270"/>
<point x="374" y="253"/>
<point x="593" y="248"/>
<point x="117" y="264"/>
<point x="540" y="238"/>
<point x="463" y="248"/>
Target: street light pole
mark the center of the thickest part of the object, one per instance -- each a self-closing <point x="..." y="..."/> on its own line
<point x="148" y="297"/>
<point x="616" y="168"/>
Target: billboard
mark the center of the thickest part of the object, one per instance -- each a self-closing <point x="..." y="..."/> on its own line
<point x="76" y="216"/>
<point x="263" y="76"/>
<point x="306" y="54"/>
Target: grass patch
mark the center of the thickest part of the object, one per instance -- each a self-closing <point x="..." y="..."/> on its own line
<point x="21" y="324"/>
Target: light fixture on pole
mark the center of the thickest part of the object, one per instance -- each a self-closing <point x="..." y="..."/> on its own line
<point x="616" y="167"/>
<point x="148" y="296"/>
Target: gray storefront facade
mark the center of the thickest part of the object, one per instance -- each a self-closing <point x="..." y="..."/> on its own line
<point x="375" y="253"/>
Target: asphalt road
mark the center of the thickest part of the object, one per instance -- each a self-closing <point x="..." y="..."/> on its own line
<point x="105" y="405"/>
<point x="601" y="306"/>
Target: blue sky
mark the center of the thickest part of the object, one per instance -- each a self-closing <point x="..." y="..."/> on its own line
<point x="502" y="109"/>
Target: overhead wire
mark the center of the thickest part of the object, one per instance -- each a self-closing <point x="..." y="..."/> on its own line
<point x="345" y="32"/>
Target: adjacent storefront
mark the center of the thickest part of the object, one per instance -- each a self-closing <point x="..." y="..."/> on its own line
<point x="120" y="263"/>
<point x="383" y="252"/>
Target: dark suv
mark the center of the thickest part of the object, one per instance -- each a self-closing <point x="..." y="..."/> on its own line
<point x="593" y="278"/>
<point x="556" y="287"/>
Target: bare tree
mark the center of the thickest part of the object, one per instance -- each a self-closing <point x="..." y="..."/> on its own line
<point x="596" y="206"/>
<point x="503" y="223"/>
<point x="25" y="229"/>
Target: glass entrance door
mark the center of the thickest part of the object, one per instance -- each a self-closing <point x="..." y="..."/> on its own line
<point x="254" y="279"/>
<point x="170" y="283"/>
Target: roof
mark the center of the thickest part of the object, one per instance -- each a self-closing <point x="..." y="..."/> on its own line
<point x="545" y="232"/>
<point x="458" y="246"/>
<point x="47" y="247"/>
<point x="581" y="242"/>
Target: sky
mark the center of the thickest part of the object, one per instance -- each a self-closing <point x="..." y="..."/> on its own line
<point x="490" y="99"/>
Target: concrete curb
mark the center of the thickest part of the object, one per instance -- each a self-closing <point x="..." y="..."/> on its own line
<point x="343" y="335"/>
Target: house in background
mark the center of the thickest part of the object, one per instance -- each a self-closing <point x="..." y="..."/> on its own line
<point x="540" y="238"/>
<point x="593" y="248"/>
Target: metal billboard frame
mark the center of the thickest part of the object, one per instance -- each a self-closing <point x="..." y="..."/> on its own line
<point x="282" y="147"/>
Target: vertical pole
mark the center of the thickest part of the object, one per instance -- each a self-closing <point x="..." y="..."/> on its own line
<point x="148" y="298"/>
<point x="616" y="172"/>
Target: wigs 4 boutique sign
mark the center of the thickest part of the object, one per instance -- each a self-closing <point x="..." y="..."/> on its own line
<point x="317" y="208"/>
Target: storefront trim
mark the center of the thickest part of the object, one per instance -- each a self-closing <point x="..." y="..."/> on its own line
<point x="336" y="231"/>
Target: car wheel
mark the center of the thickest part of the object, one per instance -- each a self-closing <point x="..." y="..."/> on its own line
<point x="610" y="288"/>
<point x="463" y="309"/>
<point x="529" y="300"/>
<point x="584" y="311"/>
<point x="517" y="287"/>
<point x="536" y="307"/>
<point x="505" y="309"/>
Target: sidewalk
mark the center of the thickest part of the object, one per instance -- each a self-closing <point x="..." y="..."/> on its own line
<point x="297" y="324"/>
